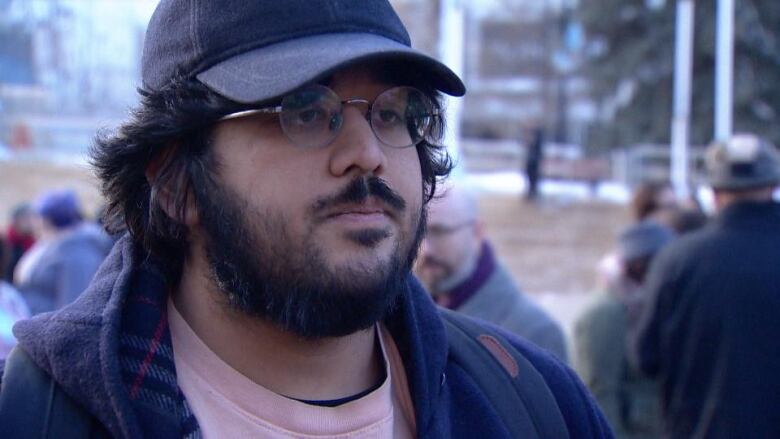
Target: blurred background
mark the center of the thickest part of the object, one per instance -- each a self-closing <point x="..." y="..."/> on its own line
<point x="594" y="77"/>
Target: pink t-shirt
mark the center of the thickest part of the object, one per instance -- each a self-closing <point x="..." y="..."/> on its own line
<point x="227" y="404"/>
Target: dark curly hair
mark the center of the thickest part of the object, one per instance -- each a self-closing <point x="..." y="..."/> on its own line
<point x="172" y="129"/>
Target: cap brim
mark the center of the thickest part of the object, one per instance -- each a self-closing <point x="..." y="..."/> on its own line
<point x="269" y="72"/>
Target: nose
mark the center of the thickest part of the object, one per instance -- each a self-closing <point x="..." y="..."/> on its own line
<point x="356" y="149"/>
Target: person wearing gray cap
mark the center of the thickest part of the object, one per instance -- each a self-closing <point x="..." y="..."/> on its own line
<point x="273" y="186"/>
<point x="710" y="331"/>
<point x="629" y="400"/>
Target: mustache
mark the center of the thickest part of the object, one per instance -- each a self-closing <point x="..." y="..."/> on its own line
<point x="358" y="191"/>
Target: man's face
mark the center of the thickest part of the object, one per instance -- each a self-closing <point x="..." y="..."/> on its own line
<point x="318" y="241"/>
<point x="450" y="248"/>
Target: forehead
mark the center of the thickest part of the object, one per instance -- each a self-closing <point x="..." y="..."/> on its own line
<point x="453" y="207"/>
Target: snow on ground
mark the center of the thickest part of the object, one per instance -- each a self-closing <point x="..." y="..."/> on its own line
<point x="514" y="183"/>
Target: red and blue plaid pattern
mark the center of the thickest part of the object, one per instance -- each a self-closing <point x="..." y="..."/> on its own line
<point x="146" y="360"/>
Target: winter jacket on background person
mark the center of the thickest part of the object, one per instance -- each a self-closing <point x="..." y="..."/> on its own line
<point x="711" y="331"/>
<point x="63" y="267"/>
<point x="628" y="399"/>
<point x="111" y="352"/>
<point x="491" y="294"/>
<point x="18" y="244"/>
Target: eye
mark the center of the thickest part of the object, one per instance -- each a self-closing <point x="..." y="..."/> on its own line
<point x="390" y="117"/>
<point x="311" y="115"/>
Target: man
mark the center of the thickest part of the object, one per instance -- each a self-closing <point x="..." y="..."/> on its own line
<point x="68" y="252"/>
<point x="458" y="267"/>
<point x="710" y="332"/>
<point x="534" y="155"/>
<point x="628" y="399"/>
<point x="273" y="185"/>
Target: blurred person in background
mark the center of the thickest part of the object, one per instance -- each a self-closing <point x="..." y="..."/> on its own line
<point x="628" y="399"/>
<point x="459" y="268"/>
<point x="684" y="219"/>
<point x="650" y="199"/>
<point x="656" y="201"/>
<point x="534" y="157"/>
<point x="65" y="257"/>
<point x="12" y="307"/>
<point x="710" y="332"/>
<point x="20" y="236"/>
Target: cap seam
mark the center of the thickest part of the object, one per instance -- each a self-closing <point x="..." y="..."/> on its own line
<point x="194" y="37"/>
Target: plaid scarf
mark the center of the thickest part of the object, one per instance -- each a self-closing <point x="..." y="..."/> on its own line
<point x="146" y="360"/>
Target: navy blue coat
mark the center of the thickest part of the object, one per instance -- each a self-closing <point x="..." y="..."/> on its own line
<point x="711" y="331"/>
<point x="111" y="352"/>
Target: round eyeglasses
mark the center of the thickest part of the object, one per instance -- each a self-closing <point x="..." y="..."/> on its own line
<point x="312" y="116"/>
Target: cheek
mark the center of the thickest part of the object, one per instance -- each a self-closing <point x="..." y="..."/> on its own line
<point x="267" y="177"/>
<point x="406" y="175"/>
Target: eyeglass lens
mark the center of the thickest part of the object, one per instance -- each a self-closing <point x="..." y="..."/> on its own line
<point x="312" y="117"/>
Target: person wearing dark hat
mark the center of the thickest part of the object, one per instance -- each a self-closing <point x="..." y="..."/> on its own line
<point x="710" y="330"/>
<point x="273" y="185"/>
<point x="67" y="253"/>
<point x="629" y="400"/>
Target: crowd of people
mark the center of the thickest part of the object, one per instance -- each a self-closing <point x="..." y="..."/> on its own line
<point x="289" y="263"/>
<point x="48" y="254"/>
<point x="685" y="308"/>
<point x="683" y="342"/>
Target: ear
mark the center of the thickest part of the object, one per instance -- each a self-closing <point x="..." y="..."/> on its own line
<point x="167" y="181"/>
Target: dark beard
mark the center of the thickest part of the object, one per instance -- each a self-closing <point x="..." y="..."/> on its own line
<point x="266" y="273"/>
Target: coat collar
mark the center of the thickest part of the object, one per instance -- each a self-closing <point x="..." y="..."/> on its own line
<point x="80" y="344"/>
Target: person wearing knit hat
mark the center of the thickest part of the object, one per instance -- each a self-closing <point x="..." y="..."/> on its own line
<point x="59" y="208"/>
<point x="710" y="330"/>
<point x="629" y="400"/>
<point x="67" y="253"/>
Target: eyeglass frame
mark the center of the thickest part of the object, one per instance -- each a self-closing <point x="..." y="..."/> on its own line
<point x="277" y="109"/>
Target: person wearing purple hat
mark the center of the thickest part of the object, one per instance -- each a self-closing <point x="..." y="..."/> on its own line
<point x="273" y="186"/>
<point x="67" y="253"/>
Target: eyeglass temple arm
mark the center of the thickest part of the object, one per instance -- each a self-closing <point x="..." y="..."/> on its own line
<point x="268" y="110"/>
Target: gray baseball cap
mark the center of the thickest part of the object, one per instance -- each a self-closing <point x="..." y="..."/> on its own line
<point x="745" y="161"/>
<point x="252" y="51"/>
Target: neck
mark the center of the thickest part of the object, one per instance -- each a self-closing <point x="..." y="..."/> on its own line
<point x="724" y="199"/>
<point x="278" y="360"/>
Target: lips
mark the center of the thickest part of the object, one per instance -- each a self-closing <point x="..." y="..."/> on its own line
<point x="368" y="208"/>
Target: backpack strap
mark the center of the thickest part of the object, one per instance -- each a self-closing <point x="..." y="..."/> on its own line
<point x="32" y="405"/>
<point x="530" y="410"/>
